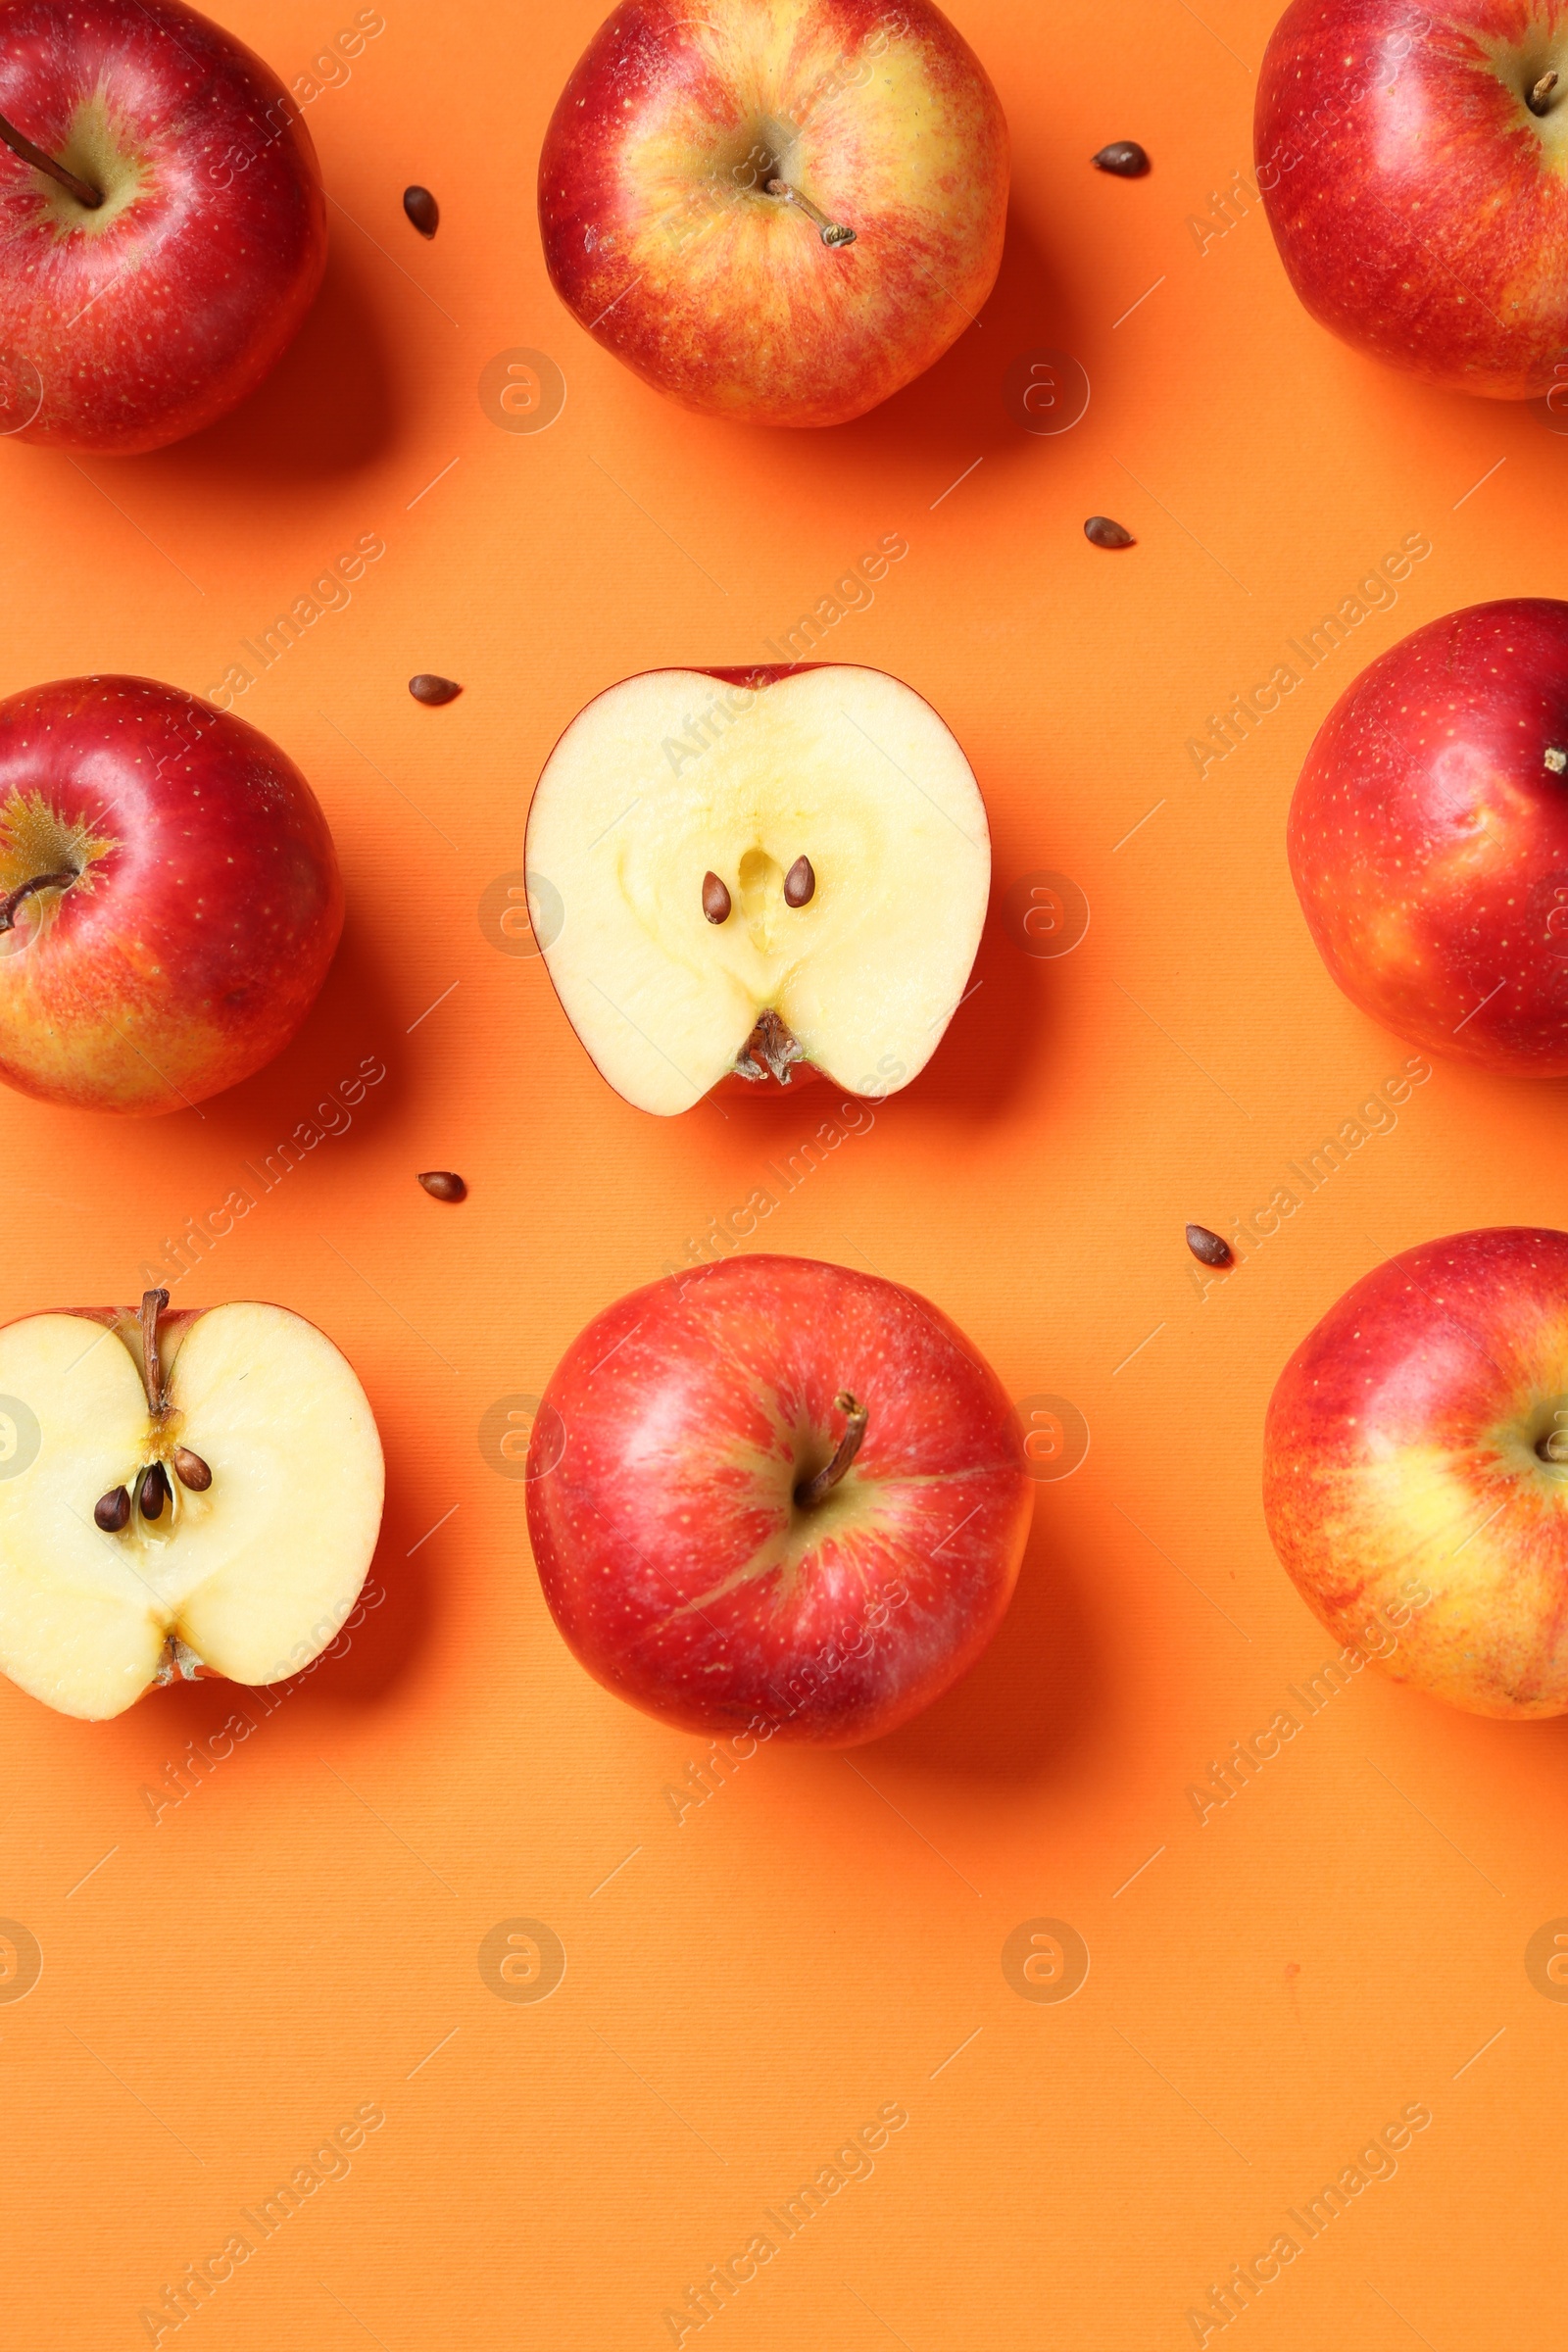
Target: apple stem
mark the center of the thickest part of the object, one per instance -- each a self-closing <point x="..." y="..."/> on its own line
<point x="36" y="155"/>
<point x="834" y="233"/>
<point x="811" y="1490"/>
<point x="153" y="1304"/>
<point x="1536" y="101"/>
<point x="61" y="881"/>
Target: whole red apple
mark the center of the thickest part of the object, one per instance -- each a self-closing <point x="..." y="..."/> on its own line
<point x="1429" y="837"/>
<point x="777" y="1497"/>
<point x="1412" y="164"/>
<point x="170" y="897"/>
<point x="142" y="300"/>
<point x="1415" y="1473"/>
<point x="778" y="211"/>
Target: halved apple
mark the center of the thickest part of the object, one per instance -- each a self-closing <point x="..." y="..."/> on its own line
<point x="198" y="1490"/>
<point x="735" y="871"/>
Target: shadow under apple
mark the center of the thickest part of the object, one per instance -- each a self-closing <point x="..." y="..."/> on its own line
<point x="328" y="406"/>
<point x="1033" y="1703"/>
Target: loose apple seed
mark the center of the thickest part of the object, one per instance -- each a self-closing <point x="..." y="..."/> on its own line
<point x="442" y="1185"/>
<point x="1212" y="1248"/>
<point x="833" y="233"/>
<point x="193" y="1471"/>
<point x="111" y="1512"/>
<point x="1123" y="157"/>
<point x="1104" y="533"/>
<point x="422" y="209"/>
<point x="715" y="899"/>
<point x="428" y="688"/>
<point x="800" y="883"/>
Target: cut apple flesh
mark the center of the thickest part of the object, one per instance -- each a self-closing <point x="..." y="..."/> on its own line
<point x="251" y="1576"/>
<point x="838" y="782"/>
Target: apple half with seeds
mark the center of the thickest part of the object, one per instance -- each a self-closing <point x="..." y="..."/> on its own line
<point x="734" y="872"/>
<point x="198" y="1490"/>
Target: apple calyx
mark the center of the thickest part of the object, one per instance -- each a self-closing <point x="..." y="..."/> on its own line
<point x="152" y="1486"/>
<point x="19" y="898"/>
<point x="84" y="194"/>
<point x="811" y="1491"/>
<point x="832" y="232"/>
<point x="1539" y="99"/>
<point x="769" y="1051"/>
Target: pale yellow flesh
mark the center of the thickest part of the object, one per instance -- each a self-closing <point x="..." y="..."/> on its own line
<point x="256" y="1575"/>
<point x="845" y="766"/>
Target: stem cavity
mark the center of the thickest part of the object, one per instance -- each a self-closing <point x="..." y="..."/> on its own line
<point x="89" y="197"/>
<point x="811" y="1490"/>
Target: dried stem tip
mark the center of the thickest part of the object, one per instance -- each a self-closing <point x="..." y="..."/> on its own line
<point x="1536" y="100"/>
<point x="832" y="232"/>
<point x="811" y="1490"/>
<point x="1211" y="1249"/>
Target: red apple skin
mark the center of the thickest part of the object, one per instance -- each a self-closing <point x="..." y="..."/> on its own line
<point x="1419" y="205"/>
<point x="675" y="1563"/>
<point x="130" y="327"/>
<point x="659" y="242"/>
<point x="208" y="911"/>
<point x="1428" y="837"/>
<point x="1401" y="1482"/>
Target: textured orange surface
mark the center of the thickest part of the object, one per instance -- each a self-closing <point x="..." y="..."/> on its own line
<point x="760" y="1971"/>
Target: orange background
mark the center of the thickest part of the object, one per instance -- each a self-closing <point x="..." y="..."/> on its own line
<point x="759" y="1977"/>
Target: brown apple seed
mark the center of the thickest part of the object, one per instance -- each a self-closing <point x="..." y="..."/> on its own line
<point x="799" y="884"/>
<point x="111" y="1512"/>
<point x="715" y="899"/>
<point x="1104" y="533"/>
<point x="432" y="691"/>
<point x="422" y="209"/>
<point x="1212" y="1248"/>
<point x="1124" y="158"/>
<point x="193" y="1471"/>
<point x="442" y="1185"/>
<point x="154" y="1492"/>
